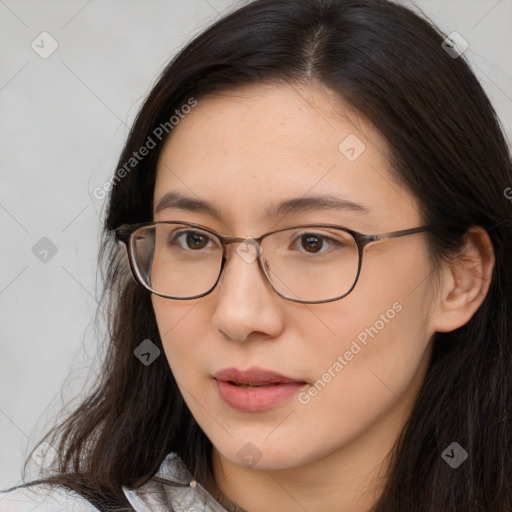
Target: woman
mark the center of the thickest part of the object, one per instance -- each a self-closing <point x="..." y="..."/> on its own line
<point x="314" y="311"/>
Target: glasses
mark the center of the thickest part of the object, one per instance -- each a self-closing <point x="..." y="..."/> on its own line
<point x="312" y="263"/>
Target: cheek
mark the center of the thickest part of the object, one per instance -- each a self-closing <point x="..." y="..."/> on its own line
<point x="374" y="347"/>
<point x="182" y="326"/>
<point x="361" y="384"/>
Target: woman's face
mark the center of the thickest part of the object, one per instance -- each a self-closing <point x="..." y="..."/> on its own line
<point x="359" y="360"/>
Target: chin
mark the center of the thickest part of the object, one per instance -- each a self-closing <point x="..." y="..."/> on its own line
<point x="264" y="454"/>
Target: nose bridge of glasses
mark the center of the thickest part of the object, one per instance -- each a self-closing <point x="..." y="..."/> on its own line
<point x="228" y="240"/>
<point x="249" y="242"/>
<point x="247" y="249"/>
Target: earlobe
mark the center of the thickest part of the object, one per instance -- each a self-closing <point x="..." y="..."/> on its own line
<point x="465" y="281"/>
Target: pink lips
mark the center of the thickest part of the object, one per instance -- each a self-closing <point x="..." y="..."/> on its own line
<point x="271" y="388"/>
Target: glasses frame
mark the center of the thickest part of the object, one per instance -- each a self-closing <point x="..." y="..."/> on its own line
<point x="124" y="234"/>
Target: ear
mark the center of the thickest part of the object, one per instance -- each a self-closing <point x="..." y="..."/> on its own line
<point x="465" y="281"/>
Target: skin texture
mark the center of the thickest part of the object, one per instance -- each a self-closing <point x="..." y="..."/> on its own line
<point x="262" y="144"/>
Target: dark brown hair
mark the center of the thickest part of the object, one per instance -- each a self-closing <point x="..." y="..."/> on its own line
<point x="447" y="148"/>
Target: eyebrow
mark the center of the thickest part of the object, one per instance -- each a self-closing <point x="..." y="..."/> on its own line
<point x="299" y="204"/>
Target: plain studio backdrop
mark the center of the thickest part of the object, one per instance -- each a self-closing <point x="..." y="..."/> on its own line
<point x="72" y="77"/>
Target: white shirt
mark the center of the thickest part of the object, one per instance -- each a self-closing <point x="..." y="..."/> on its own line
<point x="148" y="498"/>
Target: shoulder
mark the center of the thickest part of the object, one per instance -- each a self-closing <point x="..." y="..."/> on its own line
<point x="43" y="498"/>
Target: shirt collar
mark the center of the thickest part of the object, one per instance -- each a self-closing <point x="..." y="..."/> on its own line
<point x="185" y="495"/>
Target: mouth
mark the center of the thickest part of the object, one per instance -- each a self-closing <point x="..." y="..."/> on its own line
<point x="253" y="386"/>
<point x="256" y="389"/>
<point x="254" y="377"/>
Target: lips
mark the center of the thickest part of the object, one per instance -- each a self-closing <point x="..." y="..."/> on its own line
<point x="255" y="389"/>
<point x="253" y="377"/>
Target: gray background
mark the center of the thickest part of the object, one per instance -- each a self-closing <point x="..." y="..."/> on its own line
<point x="63" y="122"/>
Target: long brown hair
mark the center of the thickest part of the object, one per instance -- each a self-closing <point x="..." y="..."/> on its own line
<point x="447" y="148"/>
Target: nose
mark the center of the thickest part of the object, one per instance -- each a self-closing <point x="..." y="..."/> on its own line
<point x="246" y="303"/>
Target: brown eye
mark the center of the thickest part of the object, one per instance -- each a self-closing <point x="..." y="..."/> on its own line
<point x="189" y="240"/>
<point x="311" y="243"/>
<point x="196" y="240"/>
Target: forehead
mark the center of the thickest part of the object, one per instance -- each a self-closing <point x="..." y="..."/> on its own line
<point x="291" y="116"/>
<point x="247" y="148"/>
